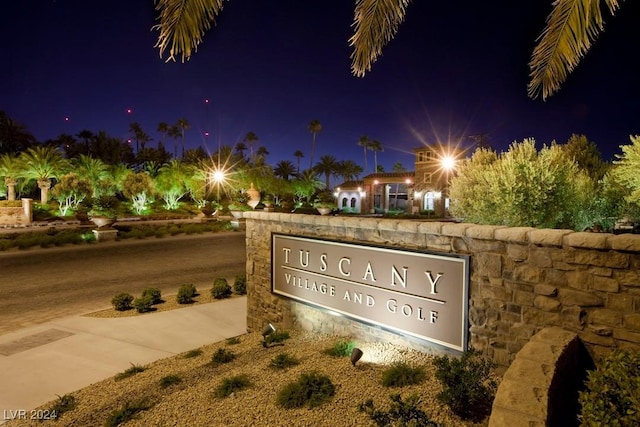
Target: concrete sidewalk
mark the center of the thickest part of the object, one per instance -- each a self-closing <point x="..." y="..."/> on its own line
<point x="40" y="363"/>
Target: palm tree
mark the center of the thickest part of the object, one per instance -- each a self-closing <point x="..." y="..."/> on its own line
<point x="42" y="164"/>
<point x="571" y="28"/>
<point x="364" y="142"/>
<point x="375" y="146"/>
<point x="299" y="155"/>
<point x="10" y="169"/>
<point x="284" y="169"/>
<point x="163" y="128"/>
<point x="139" y="136"/>
<point x="261" y="154"/>
<point x="174" y="132"/>
<point x="241" y="147"/>
<point x="327" y="166"/>
<point x="183" y="125"/>
<point x="250" y="138"/>
<point x="348" y="170"/>
<point x="314" y="127"/>
<point x="92" y="170"/>
<point x="14" y="136"/>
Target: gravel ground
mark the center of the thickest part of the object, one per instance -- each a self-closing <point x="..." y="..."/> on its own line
<point x="192" y="402"/>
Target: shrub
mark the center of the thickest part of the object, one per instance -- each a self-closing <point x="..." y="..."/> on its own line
<point x="467" y="386"/>
<point x="221" y="356"/>
<point x="240" y="284"/>
<point x="611" y="398"/>
<point x="221" y="288"/>
<point x="127" y="412"/>
<point x="143" y="304"/>
<point x="401" y="413"/>
<point x="169" y="380"/>
<point x="232" y="384"/>
<point x="63" y="404"/>
<point x="311" y="389"/>
<point x="233" y="341"/>
<point x="283" y="361"/>
<point x="401" y="374"/>
<point x="276" y="337"/>
<point x="154" y="293"/>
<point x="192" y="353"/>
<point x="129" y="372"/>
<point x="122" y="302"/>
<point x="341" y="348"/>
<point x="186" y="293"/>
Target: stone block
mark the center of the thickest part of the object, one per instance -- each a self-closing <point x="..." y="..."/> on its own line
<point x="546" y="290"/>
<point x="546" y="304"/>
<point x="548" y="237"/>
<point x="605" y="316"/>
<point x="624" y="242"/>
<point x="483" y="232"/>
<point x="514" y="234"/>
<point x="582" y="299"/>
<point x="517" y="252"/>
<point x="605" y="284"/>
<point x="632" y="322"/>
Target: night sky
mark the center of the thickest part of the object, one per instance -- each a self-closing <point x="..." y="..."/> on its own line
<point x="454" y="69"/>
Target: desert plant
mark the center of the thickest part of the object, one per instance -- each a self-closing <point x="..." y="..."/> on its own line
<point x="143" y="304"/>
<point x="232" y="341"/>
<point x="402" y="374"/>
<point x="467" y="385"/>
<point x="192" y="353"/>
<point x="311" y="389"/>
<point x="186" y="293"/>
<point x="221" y="288"/>
<point x="221" y="356"/>
<point x="275" y="337"/>
<point x="283" y="361"/>
<point x="122" y="301"/>
<point x="240" y="284"/>
<point x="613" y="391"/>
<point x="401" y="413"/>
<point x="127" y="412"/>
<point x="63" y="404"/>
<point x="154" y="293"/>
<point x="232" y="384"/>
<point x="169" y="380"/>
<point x="129" y="372"/>
<point x="340" y="348"/>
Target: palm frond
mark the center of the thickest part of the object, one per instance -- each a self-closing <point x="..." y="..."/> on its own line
<point x="571" y="28"/>
<point x="376" y="23"/>
<point x="182" y="24"/>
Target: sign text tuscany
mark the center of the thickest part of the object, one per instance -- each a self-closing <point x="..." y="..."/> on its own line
<point x="421" y="294"/>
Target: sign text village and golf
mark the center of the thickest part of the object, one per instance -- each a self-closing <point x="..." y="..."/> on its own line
<point x="421" y="294"/>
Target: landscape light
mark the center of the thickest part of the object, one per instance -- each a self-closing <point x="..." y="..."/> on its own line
<point x="356" y="354"/>
<point x="268" y="330"/>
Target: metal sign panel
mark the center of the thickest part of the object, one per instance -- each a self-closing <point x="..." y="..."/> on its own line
<point x="416" y="293"/>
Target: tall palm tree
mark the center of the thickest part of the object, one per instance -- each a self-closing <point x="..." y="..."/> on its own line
<point x="163" y="128"/>
<point x="327" y="166"/>
<point x="11" y="170"/>
<point x="92" y="170"/>
<point x="284" y="169"/>
<point x="261" y="154"/>
<point x="314" y="127"/>
<point x="139" y="136"/>
<point x="348" y="170"/>
<point x="240" y="148"/>
<point x="364" y="142"/>
<point x="42" y="164"/>
<point x="183" y="125"/>
<point x="375" y="146"/>
<point x="571" y="28"/>
<point x="14" y="136"/>
<point x="250" y="138"/>
<point x="299" y="155"/>
<point x="174" y="132"/>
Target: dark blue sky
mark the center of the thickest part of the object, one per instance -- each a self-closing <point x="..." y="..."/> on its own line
<point x="454" y="69"/>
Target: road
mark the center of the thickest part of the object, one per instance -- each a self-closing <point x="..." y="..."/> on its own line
<point x="40" y="285"/>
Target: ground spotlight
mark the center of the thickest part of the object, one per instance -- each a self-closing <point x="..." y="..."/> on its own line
<point x="268" y="330"/>
<point x="356" y="354"/>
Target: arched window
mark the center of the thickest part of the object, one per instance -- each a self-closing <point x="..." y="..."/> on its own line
<point x="353" y="202"/>
<point x="344" y="202"/>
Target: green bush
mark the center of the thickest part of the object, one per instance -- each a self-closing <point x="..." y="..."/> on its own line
<point x="467" y="385"/>
<point x="402" y="374"/>
<point x="232" y="341"/>
<point x="311" y="389"/>
<point x="613" y="391"/>
<point x="240" y="284"/>
<point x="154" y="293"/>
<point x="283" y="361"/>
<point x="186" y="293"/>
<point x="276" y="337"/>
<point x="127" y="412"/>
<point x="232" y="384"/>
<point x="401" y="413"/>
<point x="341" y="348"/>
<point x="192" y="353"/>
<point x="221" y="356"/>
<point x="129" y="372"/>
<point x="169" y="380"/>
<point x="122" y="302"/>
<point x="221" y="288"/>
<point x="143" y="304"/>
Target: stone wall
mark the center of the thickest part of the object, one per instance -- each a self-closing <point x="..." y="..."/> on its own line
<point x="522" y="280"/>
<point x="17" y="215"/>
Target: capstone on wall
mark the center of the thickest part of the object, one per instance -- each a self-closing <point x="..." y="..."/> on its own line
<point x="521" y="280"/>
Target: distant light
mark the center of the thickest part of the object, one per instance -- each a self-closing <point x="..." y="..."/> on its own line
<point x="66" y="119"/>
<point x="408" y="181"/>
<point x="129" y="111"/>
<point x="206" y="101"/>
<point x="206" y="134"/>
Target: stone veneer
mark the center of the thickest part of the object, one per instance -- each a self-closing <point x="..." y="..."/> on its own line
<point x="17" y="216"/>
<point x="522" y="280"/>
